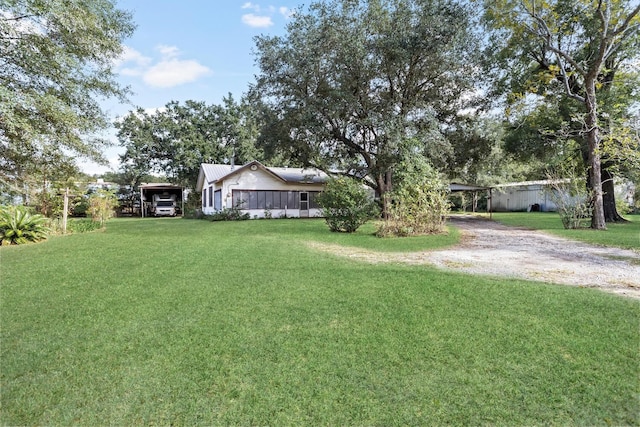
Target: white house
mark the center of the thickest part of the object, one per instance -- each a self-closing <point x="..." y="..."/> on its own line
<point x="259" y="190"/>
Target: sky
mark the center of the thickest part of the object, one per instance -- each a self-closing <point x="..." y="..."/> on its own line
<point x="199" y="50"/>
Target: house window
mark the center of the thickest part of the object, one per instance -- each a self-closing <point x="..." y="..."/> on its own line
<point x="217" y="200"/>
<point x="252" y="199"/>
<point x="312" y="200"/>
<point x="210" y="196"/>
<point x="204" y="198"/>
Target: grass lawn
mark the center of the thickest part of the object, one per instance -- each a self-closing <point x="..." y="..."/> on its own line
<point x="184" y="322"/>
<point x="622" y="235"/>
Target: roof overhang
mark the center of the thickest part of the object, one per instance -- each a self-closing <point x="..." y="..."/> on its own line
<point x="455" y="187"/>
<point x="160" y="186"/>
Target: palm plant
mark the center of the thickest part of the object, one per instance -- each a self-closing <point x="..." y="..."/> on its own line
<point x="18" y="226"/>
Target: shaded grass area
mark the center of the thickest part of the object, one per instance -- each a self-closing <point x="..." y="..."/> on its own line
<point x="165" y="321"/>
<point x="623" y="235"/>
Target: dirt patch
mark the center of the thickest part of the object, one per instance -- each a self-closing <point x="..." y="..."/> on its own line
<point x="490" y="248"/>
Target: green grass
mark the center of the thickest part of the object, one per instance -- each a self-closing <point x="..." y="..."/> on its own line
<point x="169" y="321"/>
<point x="623" y="235"/>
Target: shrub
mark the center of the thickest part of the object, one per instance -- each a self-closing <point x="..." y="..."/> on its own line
<point x="572" y="198"/>
<point x="346" y="204"/>
<point x="83" y="225"/>
<point x="419" y="205"/>
<point x="102" y="206"/>
<point x="232" y="214"/>
<point x="18" y="226"/>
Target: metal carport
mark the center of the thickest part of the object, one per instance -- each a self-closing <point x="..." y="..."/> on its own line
<point x="148" y="190"/>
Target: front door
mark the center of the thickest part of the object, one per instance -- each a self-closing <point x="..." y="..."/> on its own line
<point x="304" y="204"/>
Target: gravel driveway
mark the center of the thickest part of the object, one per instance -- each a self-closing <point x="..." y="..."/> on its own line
<point x="490" y="248"/>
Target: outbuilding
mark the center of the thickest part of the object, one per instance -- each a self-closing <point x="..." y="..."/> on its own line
<point x="259" y="190"/>
<point x="152" y="192"/>
<point x="523" y="196"/>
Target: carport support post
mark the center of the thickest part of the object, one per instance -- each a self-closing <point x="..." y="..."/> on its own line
<point x="141" y="203"/>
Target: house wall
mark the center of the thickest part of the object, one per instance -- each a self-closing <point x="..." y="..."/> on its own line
<point x="257" y="180"/>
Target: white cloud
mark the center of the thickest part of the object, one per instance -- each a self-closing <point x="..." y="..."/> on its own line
<point x="286" y="12"/>
<point x="262" y="17"/>
<point x="257" y="21"/>
<point x="174" y="72"/>
<point x="169" y="71"/>
<point x="168" y="51"/>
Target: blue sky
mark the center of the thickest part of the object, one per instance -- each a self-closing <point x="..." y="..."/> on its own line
<point x="190" y="49"/>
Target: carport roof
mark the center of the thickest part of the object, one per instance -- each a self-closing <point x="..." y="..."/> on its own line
<point x="455" y="186"/>
<point x="160" y="186"/>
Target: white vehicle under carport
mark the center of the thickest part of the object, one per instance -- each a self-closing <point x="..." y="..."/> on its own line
<point x="163" y="205"/>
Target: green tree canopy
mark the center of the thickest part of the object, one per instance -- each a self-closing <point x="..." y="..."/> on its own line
<point x="358" y="86"/>
<point x="56" y="64"/>
<point x="570" y="49"/>
<point x="175" y="140"/>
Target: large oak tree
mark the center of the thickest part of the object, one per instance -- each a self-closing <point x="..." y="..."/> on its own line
<point x="360" y="86"/>
<point x="176" y="139"/>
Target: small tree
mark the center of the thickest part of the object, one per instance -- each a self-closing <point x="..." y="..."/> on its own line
<point x="420" y="203"/>
<point x="572" y="197"/>
<point x="102" y="205"/>
<point x="346" y="204"/>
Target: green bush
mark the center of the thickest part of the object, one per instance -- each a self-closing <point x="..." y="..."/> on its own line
<point x="18" y="226"/>
<point x="346" y="204"/>
<point x="102" y="206"/>
<point x="419" y="205"/>
<point x="568" y="191"/>
<point x="233" y="214"/>
<point x="83" y="225"/>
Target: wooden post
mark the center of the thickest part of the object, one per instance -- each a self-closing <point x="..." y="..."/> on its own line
<point x="65" y="210"/>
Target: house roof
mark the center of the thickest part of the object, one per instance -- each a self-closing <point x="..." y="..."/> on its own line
<point x="210" y="173"/>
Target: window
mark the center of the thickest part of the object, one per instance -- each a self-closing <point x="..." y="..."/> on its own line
<point x="217" y="200"/>
<point x="252" y="199"/>
<point x="312" y="200"/>
<point x="210" y="196"/>
<point x="204" y="198"/>
<point x="293" y="200"/>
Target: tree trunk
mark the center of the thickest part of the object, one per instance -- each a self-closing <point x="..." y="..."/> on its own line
<point x="385" y="187"/>
<point x="609" y="198"/>
<point x="593" y="143"/>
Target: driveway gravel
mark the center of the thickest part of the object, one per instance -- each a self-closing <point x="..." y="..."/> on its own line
<point x="490" y="248"/>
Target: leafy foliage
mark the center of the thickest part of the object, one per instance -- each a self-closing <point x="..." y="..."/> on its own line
<point x="102" y="206"/>
<point x="177" y="139"/>
<point x="571" y="53"/>
<point x="19" y="226"/>
<point x="420" y="202"/>
<point x="572" y="197"/>
<point x="346" y="204"/>
<point x="229" y="214"/>
<point x="358" y="85"/>
<point x="57" y="64"/>
<point x="83" y="225"/>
